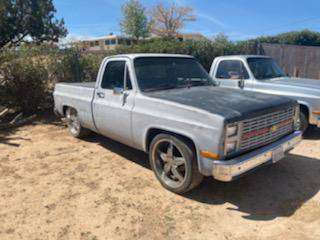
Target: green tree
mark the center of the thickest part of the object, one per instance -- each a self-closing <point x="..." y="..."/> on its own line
<point x="135" y="22"/>
<point x="29" y="20"/>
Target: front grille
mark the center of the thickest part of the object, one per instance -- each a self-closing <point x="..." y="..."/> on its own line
<point x="266" y="129"/>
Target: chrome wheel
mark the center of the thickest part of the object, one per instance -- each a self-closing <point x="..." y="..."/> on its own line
<point x="73" y="122"/>
<point x="170" y="164"/>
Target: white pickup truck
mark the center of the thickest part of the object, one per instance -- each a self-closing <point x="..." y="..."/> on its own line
<point x="168" y="106"/>
<point x="262" y="74"/>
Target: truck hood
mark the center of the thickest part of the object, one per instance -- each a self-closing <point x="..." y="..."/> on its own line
<point x="233" y="105"/>
<point x="298" y="82"/>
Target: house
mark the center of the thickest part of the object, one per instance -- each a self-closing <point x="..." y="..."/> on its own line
<point x="191" y="37"/>
<point x="111" y="41"/>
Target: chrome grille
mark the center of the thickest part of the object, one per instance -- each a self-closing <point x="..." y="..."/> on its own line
<point x="267" y="128"/>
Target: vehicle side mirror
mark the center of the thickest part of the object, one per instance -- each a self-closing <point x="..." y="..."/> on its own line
<point x="241" y="83"/>
<point x="118" y="90"/>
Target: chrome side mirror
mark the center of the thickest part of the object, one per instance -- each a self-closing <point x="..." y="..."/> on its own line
<point x="118" y="91"/>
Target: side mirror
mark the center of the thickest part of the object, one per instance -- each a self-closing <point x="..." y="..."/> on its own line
<point x="218" y="83"/>
<point x="118" y="91"/>
<point x="241" y="83"/>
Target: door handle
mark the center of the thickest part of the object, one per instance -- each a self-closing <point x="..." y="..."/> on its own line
<point x="100" y="94"/>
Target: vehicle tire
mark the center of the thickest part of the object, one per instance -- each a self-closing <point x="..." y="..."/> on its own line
<point x="174" y="163"/>
<point x="303" y="122"/>
<point x="74" y="125"/>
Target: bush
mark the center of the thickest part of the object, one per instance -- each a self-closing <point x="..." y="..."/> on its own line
<point x="304" y="38"/>
<point x="71" y="65"/>
<point x="24" y="85"/>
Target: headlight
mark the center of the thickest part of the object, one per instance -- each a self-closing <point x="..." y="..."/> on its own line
<point x="231" y="138"/>
<point x="231" y="147"/>
<point x="232" y="130"/>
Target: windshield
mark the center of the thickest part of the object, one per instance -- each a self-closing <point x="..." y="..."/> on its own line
<point x="160" y="73"/>
<point x="265" y="68"/>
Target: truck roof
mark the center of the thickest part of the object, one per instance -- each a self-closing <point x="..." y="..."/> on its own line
<point x="242" y="56"/>
<point x="137" y="55"/>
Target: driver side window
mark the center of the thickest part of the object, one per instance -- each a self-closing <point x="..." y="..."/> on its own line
<point x="113" y="76"/>
<point x="231" y="69"/>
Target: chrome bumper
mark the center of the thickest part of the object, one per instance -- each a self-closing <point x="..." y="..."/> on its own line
<point x="315" y="120"/>
<point x="227" y="171"/>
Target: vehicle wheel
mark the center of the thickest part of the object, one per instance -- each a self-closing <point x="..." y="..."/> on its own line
<point x="303" y="122"/>
<point x="74" y="124"/>
<point x="174" y="163"/>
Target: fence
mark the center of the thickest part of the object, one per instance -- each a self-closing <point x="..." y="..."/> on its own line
<point x="297" y="61"/>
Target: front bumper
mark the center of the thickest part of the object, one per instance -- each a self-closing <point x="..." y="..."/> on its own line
<point x="315" y="119"/>
<point x="227" y="171"/>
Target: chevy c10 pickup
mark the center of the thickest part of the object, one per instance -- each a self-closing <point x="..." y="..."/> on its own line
<point x="262" y="74"/>
<point x="169" y="106"/>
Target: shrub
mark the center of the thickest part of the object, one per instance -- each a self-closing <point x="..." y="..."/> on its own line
<point x="71" y="65"/>
<point x="24" y="85"/>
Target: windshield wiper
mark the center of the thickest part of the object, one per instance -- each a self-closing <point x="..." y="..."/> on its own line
<point x="198" y="83"/>
<point x="159" y="88"/>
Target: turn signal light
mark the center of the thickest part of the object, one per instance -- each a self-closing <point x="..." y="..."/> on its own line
<point x="207" y="154"/>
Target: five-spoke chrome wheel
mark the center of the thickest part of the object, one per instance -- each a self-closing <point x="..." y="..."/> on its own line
<point x="174" y="163"/>
<point x="170" y="163"/>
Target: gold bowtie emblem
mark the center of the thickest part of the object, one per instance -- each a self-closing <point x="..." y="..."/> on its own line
<point x="274" y="128"/>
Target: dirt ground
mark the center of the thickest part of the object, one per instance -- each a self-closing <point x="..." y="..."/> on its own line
<point x="55" y="187"/>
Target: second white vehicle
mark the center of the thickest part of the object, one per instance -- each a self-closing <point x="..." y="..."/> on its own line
<point x="262" y="74"/>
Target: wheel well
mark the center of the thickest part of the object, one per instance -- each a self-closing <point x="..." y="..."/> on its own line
<point x="305" y="110"/>
<point x="64" y="109"/>
<point x="152" y="133"/>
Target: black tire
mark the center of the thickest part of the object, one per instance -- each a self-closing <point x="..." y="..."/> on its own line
<point x="181" y="150"/>
<point x="74" y="125"/>
<point x="303" y="122"/>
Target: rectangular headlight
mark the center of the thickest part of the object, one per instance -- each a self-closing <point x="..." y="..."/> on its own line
<point x="231" y="147"/>
<point x="232" y="130"/>
<point x="231" y="138"/>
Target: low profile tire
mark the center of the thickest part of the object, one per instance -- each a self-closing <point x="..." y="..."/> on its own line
<point x="174" y="163"/>
<point x="303" y="122"/>
<point x="74" y="125"/>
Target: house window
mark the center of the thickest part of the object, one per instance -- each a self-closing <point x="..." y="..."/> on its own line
<point x="96" y="43"/>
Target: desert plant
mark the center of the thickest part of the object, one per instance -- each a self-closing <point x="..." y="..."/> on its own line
<point x="24" y="85"/>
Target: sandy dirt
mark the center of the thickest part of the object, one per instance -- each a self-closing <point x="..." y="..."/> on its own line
<point x="53" y="186"/>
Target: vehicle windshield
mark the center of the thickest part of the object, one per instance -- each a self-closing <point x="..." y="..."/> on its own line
<point x="160" y="73"/>
<point x="265" y="68"/>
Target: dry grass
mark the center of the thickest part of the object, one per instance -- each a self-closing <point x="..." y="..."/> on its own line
<point x="55" y="187"/>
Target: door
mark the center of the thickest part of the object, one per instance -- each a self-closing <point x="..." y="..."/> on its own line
<point x="232" y="74"/>
<point x="114" y="101"/>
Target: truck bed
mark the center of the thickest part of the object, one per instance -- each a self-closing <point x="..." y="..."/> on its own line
<point x="78" y="96"/>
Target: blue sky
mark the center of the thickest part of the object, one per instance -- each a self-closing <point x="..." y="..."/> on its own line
<point x="239" y="19"/>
